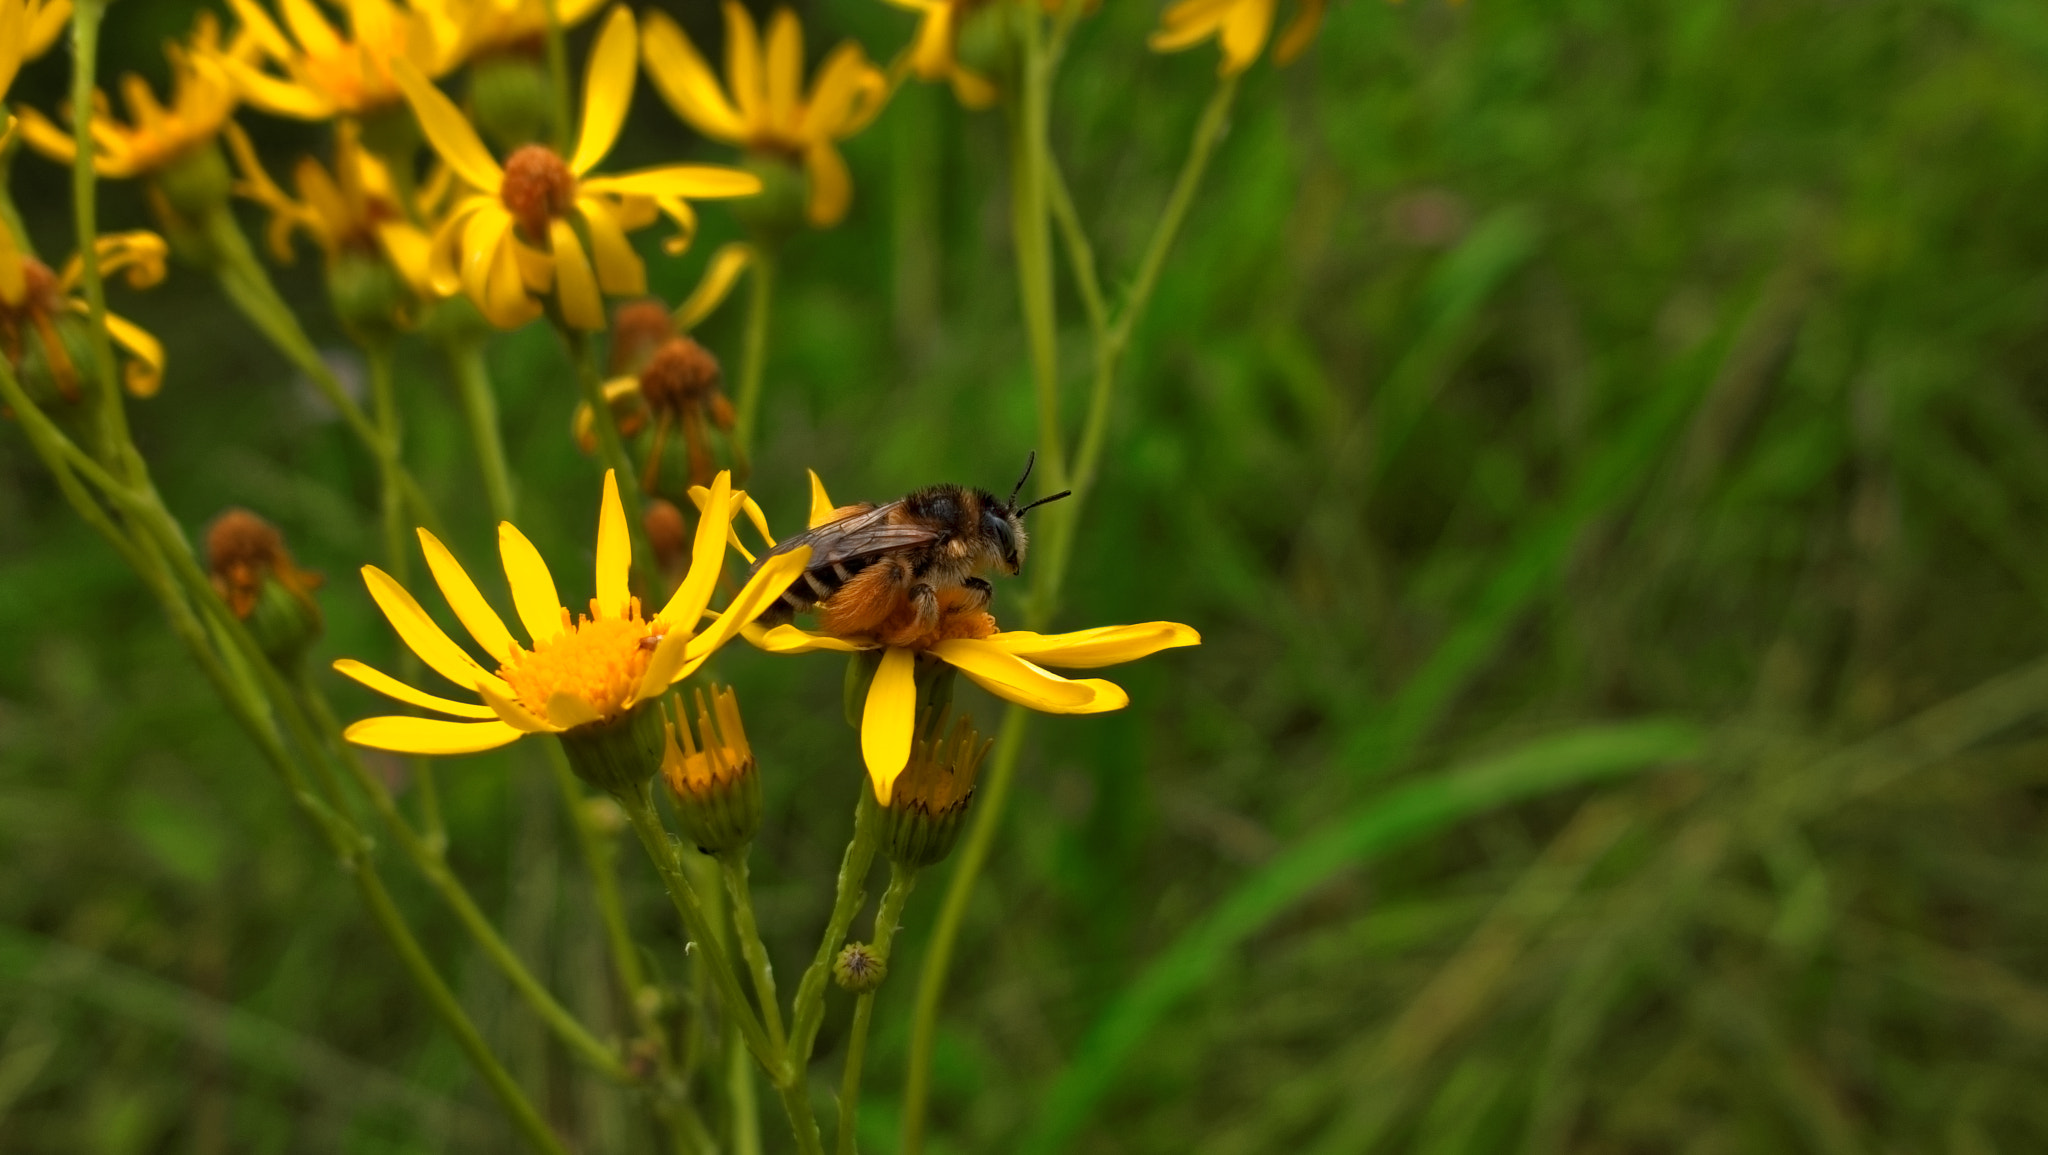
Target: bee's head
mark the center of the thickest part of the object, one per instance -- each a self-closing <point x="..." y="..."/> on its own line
<point x="1004" y="524"/>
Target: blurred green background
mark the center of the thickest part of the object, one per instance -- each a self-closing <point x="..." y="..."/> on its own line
<point x="1541" y="391"/>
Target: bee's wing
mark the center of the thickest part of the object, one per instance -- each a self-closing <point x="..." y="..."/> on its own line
<point x="858" y="537"/>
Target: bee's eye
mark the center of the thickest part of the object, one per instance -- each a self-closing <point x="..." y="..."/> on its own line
<point x="999" y="526"/>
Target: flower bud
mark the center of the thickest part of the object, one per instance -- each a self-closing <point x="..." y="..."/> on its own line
<point x="510" y="99"/>
<point x="716" y="790"/>
<point x="929" y="800"/>
<point x="253" y="573"/>
<point x="617" y="757"/>
<point x="859" y="969"/>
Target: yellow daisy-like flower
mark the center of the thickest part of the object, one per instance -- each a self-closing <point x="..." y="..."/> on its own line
<point x="32" y="299"/>
<point x="576" y="672"/>
<point x="27" y="29"/>
<point x="517" y="233"/>
<point x="156" y="136"/>
<point x="353" y="209"/>
<point x="1240" y="28"/>
<point x="486" y="27"/>
<point x="933" y="56"/>
<point x="316" y="72"/>
<point x="1011" y="665"/>
<point x="768" y="111"/>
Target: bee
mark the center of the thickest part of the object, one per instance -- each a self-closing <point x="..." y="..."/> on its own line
<point x="894" y="570"/>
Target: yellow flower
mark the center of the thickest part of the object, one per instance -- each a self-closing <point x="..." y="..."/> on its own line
<point x="575" y="673"/>
<point x="1010" y="665"/>
<point x="517" y="233"/>
<point x="27" y="29"/>
<point x="1240" y="27"/>
<point x="156" y="136"/>
<point x="319" y="72"/>
<point x="933" y="56"/>
<point x="33" y="299"/>
<point x="768" y="112"/>
<point x="354" y="209"/>
<point x="485" y="27"/>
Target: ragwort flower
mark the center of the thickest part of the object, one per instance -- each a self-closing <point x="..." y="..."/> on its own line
<point x="1009" y="664"/>
<point x="317" y="72"/>
<point x="935" y="56"/>
<point x="36" y="305"/>
<point x="156" y="137"/>
<point x="355" y="209"/>
<point x="767" y="113"/>
<point x="574" y="673"/>
<point x="517" y="234"/>
<point x="1240" y="28"/>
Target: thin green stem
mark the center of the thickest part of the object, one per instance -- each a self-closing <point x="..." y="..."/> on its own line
<point x="598" y="859"/>
<point x="472" y="378"/>
<point x="1031" y="235"/>
<point x="991" y="798"/>
<point x="558" y="74"/>
<point x="654" y="838"/>
<point x="112" y="413"/>
<point x="733" y="865"/>
<point x="754" y="354"/>
<point x="887" y="918"/>
<point x="1080" y="252"/>
<point x="850" y="894"/>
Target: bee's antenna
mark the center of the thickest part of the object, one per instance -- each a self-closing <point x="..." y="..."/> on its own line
<point x="1019" y="487"/>
<point x="1043" y="500"/>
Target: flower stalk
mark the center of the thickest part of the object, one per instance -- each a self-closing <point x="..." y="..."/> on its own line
<point x="887" y="918"/>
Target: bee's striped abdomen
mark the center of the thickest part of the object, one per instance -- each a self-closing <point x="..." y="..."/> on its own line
<point x="813" y="587"/>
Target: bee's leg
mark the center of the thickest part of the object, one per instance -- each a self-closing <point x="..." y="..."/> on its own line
<point x="979" y="593"/>
<point x="916" y="622"/>
<point x="924" y="608"/>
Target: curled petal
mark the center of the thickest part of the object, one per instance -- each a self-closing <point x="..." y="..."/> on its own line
<point x="144" y="373"/>
<point x="720" y="275"/>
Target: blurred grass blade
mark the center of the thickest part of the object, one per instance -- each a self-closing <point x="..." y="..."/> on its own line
<point x="1392" y="820"/>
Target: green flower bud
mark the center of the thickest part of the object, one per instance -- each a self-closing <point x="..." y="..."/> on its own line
<point x="196" y="184"/>
<point x="859" y="969"/>
<point x="712" y="778"/>
<point x="929" y="800"/>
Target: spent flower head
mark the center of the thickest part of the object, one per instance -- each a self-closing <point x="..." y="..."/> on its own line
<point x="524" y="228"/>
<point x="43" y="317"/>
<point x="254" y="574"/>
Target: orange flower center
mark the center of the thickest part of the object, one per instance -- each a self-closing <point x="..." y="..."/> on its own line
<point x="596" y="660"/>
<point x="538" y="188"/>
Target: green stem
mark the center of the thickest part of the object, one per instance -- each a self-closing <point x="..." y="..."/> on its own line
<point x="990" y="797"/>
<point x="558" y="74"/>
<point x="901" y="879"/>
<point x="480" y="408"/>
<point x="113" y="414"/>
<point x="1032" y="238"/>
<point x="733" y="865"/>
<point x="851" y="892"/>
<point x="654" y="838"/>
<point x="754" y="355"/>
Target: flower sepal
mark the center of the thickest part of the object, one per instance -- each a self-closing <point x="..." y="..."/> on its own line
<point x="620" y="755"/>
<point x="781" y="208"/>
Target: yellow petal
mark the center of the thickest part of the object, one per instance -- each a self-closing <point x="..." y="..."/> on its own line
<point x="607" y="89"/>
<point x="44" y="137"/>
<point x="700" y="495"/>
<point x="760" y="519"/>
<point x="889" y="720"/>
<point x="575" y="284"/>
<point x="707" y="561"/>
<point x="258" y="26"/>
<point x="533" y="587"/>
<point x="777" y="574"/>
<point x="743" y="63"/>
<point x="971" y="90"/>
<point x="506" y="303"/>
<point x="446" y="130"/>
<point x="1244" y="35"/>
<point x="483" y="239"/>
<point x="1102" y="646"/>
<point x="391" y="687"/>
<point x="614" y="552"/>
<point x="719" y="277"/>
<point x="932" y="55"/>
<point x="831" y="185"/>
<point x="309" y="28"/>
<point x="476" y="614"/>
<point x="407" y="247"/>
<point x="567" y="711"/>
<point x="845" y="80"/>
<point x="821" y="503"/>
<point x="787" y="639"/>
<point x="620" y="272"/>
<point x="143" y="375"/>
<point x="785" y="68"/>
<point x="514" y="713"/>
<point x="421" y="634"/>
<point x="692" y="181"/>
<point x="429" y="736"/>
<point x="1010" y="677"/>
<point x="444" y="258"/>
<point x="686" y="82"/>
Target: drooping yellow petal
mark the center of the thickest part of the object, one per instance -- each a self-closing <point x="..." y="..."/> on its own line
<point x="575" y="284"/>
<point x="932" y="55"/>
<point x="507" y="304"/>
<point x="144" y="373"/>
<point x="533" y="587"/>
<point x="743" y="64"/>
<point x="776" y="574"/>
<point x="787" y="639"/>
<point x="447" y="130"/>
<point x="475" y="614"/>
<point x="420" y="633"/>
<point x="690" y="181"/>
<point x="821" y="503"/>
<point x="607" y="89"/>
<point x="707" y="560"/>
<point x="1244" y="35"/>
<point x="720" y="275"/>
<point x="1010" y="677"/>
<point x="831" y="185"/>
<point x="391" y="687"/>
<point x="888" y="722"/>
<point x="1102" y="646"/>
<point x="429" y="736"/>
<point x="686" y="81"/>
<point x="444" y="258"/>
<point x="484" y="240"/>
<point x="511" y="712"/>
<point x="620" y="272"/>
<point x="614" y="552"/>
<point x="785" y="70"/>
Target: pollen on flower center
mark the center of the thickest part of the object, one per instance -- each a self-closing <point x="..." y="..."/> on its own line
<point x="596" y="660"/>
<point x="538" y="187"/>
